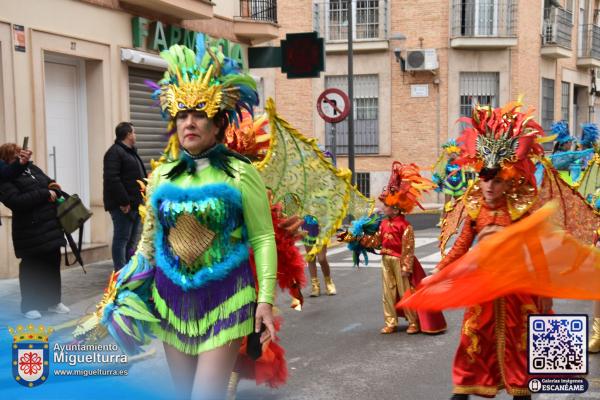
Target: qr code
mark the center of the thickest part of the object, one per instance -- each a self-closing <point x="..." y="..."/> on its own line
<point x="558" y="344"/>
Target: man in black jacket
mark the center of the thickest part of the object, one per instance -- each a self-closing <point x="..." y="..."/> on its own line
<point x="122" y="169"/>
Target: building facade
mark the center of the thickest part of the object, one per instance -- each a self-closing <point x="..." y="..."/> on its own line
<point x="70" y="70"/>
<point x="419" y="65"/>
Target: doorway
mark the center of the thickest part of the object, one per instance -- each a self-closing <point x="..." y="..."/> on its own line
<point x="66" y="125"/>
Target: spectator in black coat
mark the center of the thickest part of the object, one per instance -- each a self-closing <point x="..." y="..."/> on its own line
<point x="123" y="167"/>
<point x="37" y="235"/>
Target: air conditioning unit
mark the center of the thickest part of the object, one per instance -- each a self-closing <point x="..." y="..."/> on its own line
<point x="421" y="60"/>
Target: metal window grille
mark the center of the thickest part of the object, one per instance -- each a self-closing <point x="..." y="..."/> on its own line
<point x="369" y="18"/>
<point x="589" y="36"/>
<point x="492" y="18"/>
<point x="366" y="115"/>
<point x="564" y="101"/>
<point x="337" y="18"/>
<point x="478" y="88"/>
<point x="259" y="10"/>
<point x="363" y="183"/>
<point x="547" y="103"/>
<point x="557" y="27"/>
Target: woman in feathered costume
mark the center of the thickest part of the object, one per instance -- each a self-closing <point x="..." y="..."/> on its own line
<point x="498" y="145"/>
<point x="190" y="282"/>
<point x="520" y="261"/>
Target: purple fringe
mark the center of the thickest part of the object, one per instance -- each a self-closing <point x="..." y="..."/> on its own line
<point x="194" y="304"/>
<point x="143" y="275"/>
<point x="236" y="317"/>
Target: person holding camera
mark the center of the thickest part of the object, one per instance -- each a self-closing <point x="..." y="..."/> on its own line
<point x="123" y="168"/>
<point x="14" y="169"/>
<point x="11" y="170"/>
<point x="36" y="233"/>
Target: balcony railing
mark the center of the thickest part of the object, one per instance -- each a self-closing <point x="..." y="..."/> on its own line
<point x="369" y="20"/>
<point x="484" y="18"/>
<point x="259" y="10"/>
<point x="590" y="41"/>
<point x="557" y="28"/>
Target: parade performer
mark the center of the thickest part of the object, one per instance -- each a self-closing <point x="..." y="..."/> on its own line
<point x="190" y="282"/>
<point x="450" y="178"/>
<point x="492" y="349"/>
<point x="401" y="271"/>
<point x="311" y="227"/>
<point x="394" y="236"/>
<point x="589" y="187"/>
<point x="569" y="162"/>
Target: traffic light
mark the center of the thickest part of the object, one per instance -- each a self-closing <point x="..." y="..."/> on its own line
<point x="302" y="55"/>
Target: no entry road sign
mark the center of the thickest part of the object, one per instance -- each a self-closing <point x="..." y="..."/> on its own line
<point x="333" y="105"/>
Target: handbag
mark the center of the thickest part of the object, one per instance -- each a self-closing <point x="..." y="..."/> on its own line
<point x="72" y="215"/>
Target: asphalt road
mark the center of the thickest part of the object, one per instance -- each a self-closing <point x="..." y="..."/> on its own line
<point x="334" y="349"/>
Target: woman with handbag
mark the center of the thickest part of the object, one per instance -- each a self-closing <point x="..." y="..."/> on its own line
<point x="190" y="281"/>
<point x="37" y="235"/>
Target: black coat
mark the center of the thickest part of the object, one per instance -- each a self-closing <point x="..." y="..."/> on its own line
<point x="122" y="169"/>
<point x="35" y="227"/>
<point x="10" y="171"/>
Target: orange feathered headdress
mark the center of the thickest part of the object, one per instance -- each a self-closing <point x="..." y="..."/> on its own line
<point x="405" y="187"/>
<point x="251" y="138"/>
<point x="501" y="139"/>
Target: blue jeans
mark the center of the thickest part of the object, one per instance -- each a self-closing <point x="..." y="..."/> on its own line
<point x="125" y="236"/>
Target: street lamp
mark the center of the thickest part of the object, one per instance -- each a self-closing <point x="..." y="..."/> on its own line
<point x="400" y="38"/>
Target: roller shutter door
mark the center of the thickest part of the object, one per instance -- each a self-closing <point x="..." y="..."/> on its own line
<point x="145" y="115"/>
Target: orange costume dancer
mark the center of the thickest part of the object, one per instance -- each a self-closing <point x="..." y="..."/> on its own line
<point x="401" y="271"/>
<point x="492" y="353"/>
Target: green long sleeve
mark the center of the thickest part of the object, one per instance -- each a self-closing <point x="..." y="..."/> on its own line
<point x="257" y="216"/>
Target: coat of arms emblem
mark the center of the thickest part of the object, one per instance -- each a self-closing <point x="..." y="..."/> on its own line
<point x="30" y="354"/>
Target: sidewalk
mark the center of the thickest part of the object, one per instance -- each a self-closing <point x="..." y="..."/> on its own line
<point x="80" y="292"/>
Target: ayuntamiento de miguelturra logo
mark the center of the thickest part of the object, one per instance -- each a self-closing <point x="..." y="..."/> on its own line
<point x="30" y="354"/>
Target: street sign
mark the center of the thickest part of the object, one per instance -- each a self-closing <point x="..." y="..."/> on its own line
<point x="333" y="105"/>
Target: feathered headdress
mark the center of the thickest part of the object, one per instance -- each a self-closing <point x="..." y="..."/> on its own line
<point x="203" y="81"/>
<point x="251" y="138"/>
<point x="405" y="187"/>
<point x="501" y="139"/>
<point x="451" y="147"/>
<point x="561" y="129"/>
<point x="589" y="136"/>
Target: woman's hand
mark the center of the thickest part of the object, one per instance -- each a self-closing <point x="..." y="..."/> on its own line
<point x="488" y="230"/>
<point x="53" y="196"/>
<point x="264" y="315"/>
<point x="24" y="156"/>
<point x="54" y="186"/>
